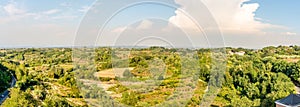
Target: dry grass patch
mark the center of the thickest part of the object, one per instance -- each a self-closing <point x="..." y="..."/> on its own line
<point x="112" y="73"/>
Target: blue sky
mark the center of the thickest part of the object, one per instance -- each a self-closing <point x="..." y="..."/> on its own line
<point x="244" y="23"/>
<point x="281" y="12"/>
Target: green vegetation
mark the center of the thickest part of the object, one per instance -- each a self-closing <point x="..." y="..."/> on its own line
<point x="46" y="77"/>
<point x="5" y="78"/>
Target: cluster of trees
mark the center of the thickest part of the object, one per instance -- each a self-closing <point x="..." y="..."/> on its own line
<point x="251" y="81"/>
<point x="292" y="70"/>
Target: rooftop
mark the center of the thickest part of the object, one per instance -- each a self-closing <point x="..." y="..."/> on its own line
<point x="291" y="100"/>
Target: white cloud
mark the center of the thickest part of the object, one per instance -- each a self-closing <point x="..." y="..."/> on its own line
<point x="145" y="24"/>
<point x="65" y="17"/>
<point x="232" y="16"/>
<point x="182" y="20"/>
<point x="119" y="29"/>
<point x="13" y="12"/>
<point x="65" y="4"/>
<point x="84" y="9"/>
<point x="290" y="33"/>
<point x="52" y="11"/>
<point x="11" y="9"/>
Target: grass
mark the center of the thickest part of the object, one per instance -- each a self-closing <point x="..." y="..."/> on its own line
<point x="112" y="73"/>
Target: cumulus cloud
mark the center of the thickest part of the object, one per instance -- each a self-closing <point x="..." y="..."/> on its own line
<point x="145" y="24"/>
<point x="119" y="29"/>
<point x="290" y="33"/>
<point x="234" y="16"/>
<point x="182" y="20"/>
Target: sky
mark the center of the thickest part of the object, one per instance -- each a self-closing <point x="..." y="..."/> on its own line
<point x="230" y="23"/>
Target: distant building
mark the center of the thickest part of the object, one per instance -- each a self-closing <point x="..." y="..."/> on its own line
<point x="293" y="100"/>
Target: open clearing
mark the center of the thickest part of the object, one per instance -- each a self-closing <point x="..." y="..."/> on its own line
<point x="112" y="73"/>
